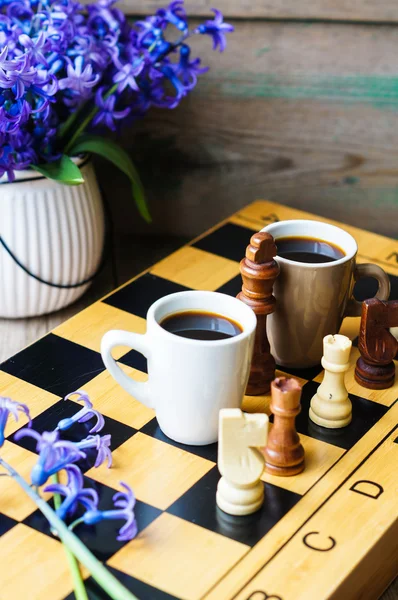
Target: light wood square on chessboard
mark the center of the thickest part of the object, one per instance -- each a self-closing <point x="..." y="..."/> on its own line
<point x="37" y="399"/>
<point x="13" y="502"/>
<point x="350" y="327"/>
<point x="319" y="457"/>
<point x="196" y="269"/>
<point x="33" y="566"/>
<point x="113" y="401"/>
<point x="179" y="557"/>
<point x="386" y="397"/>
<point x="158" y="472"/>
<point x="88" y="326"/>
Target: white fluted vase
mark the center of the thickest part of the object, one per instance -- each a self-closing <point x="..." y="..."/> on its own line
<point x="57" y="232"/>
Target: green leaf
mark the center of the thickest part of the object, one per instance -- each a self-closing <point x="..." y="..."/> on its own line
<point x="63" y="170"/>
<point x="119" y="157"/>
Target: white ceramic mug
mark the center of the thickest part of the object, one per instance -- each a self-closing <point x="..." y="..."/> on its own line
<point x="189" y="380"/>
<point x="313" y="298"/>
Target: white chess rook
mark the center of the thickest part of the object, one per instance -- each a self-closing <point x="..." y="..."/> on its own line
<point x="240" y="490"/>
<point x="331" y="406"/>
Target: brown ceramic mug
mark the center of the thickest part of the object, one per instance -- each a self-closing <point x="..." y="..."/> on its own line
<point x="312" y="299"/>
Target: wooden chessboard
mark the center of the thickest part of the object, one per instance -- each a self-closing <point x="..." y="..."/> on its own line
<point x="330" y="532"/>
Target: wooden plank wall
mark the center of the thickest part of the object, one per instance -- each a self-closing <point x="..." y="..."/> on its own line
<point x="302" y="109"/>
<point x="352" y="10"/>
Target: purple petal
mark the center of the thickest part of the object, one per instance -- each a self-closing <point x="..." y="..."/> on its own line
<point x="83" y="396"/>
<point x="27" y="433"/>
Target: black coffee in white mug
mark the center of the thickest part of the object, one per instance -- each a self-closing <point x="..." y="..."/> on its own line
<point x="201" y="325"/>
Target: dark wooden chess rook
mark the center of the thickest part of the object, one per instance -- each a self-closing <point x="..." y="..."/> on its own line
<point x="284" y="454"/>
<point x="259" y="272"/>
<point x="375" y="368"/>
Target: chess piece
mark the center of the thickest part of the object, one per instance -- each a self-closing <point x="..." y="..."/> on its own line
<point x="259" y="272"/>
<point x="331" y="406"/>
<point x="240" y="490"/>
<point x="378" y="346"/>
<point x="284" y="454"/>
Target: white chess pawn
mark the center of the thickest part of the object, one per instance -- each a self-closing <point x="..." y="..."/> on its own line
<point x="240" y="490"/>
<point x="331" y="406"/>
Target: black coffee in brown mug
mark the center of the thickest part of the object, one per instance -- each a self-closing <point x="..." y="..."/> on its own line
<point x="201" y="325"/>
<point x="308" y="249"/>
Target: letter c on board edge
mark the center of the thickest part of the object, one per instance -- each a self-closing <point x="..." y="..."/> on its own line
<point x="379" y="488"/>
<point x="306" y="543"/>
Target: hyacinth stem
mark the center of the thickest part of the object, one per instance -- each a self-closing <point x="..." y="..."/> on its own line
<point x="103" y="577"/>
<point x="87" y="121"/>
<point x="65" y="127"/>
<point x="78" y="583"/>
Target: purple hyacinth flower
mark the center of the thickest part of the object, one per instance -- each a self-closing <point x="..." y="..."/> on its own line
<point x="83" y="415"/>
<point x="151" y="30"/>
<point x="126" y="75"/>
<point x="86" y="46"/>
<point x="7" y="164"/>
<point x="181" y="91"/>
<point x="3" y="57"/>
<point x="10" y="407"/>
<point x="54" y="454"/>
<point x="216" y="29"/>
<point x="18" y="76"/>
<point x="102" y="444"/>
<point x="107" y="112"/>
<point x="79" y="79"/>
<point x="35" y="47"/>
<point x="74" y="493"/>
<point x="174" y="14"/>
<point x="24" y="154"/>
<point x="189" y="70"/>
<point x="124" y="509"/>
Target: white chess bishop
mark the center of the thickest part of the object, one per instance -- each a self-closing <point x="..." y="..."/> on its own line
<point x="240" y="490"/>
<point x="331" y="406"/>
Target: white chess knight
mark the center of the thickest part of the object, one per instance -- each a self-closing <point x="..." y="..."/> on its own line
<point x="331" y="406"/>
<point x="240" y="490"/>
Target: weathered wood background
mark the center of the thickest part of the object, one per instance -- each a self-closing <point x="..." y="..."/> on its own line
<point x="302" y="108"/>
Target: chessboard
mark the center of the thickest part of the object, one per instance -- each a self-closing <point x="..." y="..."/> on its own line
<point x="330" y="532"/>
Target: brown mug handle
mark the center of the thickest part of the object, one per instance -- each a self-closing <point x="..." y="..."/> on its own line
<point x="354" y="308"/>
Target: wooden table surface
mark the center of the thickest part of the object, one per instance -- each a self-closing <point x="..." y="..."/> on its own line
<point x="130" y="256"/>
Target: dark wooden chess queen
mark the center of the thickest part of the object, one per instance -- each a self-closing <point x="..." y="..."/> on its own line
<point x="259" y="272"/>
<point x="375" y="368"/>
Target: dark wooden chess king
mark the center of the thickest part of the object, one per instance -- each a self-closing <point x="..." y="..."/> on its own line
<point x="259" y="272"/>
<point x="375" y="368"/>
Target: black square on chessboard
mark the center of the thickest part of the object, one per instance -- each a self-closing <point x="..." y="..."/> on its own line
<point x="6" y="523"/>
<point x="100" y="539"/>
<point x="152" y="428"/>
<point x="229" y="241"/>
<point x="142" y="590"/>
<point x="49" y="419"/>
<point x="198" y="506"/>
<point x="305" y="373"/>
<point x="136" y="360"/>
<point x="366" y="287"/>
<point x="365" y="414"/>
<point x="55" y="364"/>
<point x="137" y="296"/>
<point x="232" y="287"/>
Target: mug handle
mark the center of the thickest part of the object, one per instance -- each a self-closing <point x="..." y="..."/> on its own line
<point x="137" y="341"/>
<point x="354" y="307"/>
